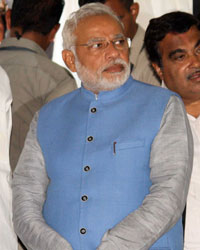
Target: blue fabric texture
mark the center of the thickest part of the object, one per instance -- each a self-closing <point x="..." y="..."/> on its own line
<point x="121" y="130"/>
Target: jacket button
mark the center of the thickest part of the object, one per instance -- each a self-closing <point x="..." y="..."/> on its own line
<point x="83" y="231"/>
<point x="93" y="110"/>
<point x="87" y="168"/>
<point x="90" y="138"/>
<point x="84" y="198"/>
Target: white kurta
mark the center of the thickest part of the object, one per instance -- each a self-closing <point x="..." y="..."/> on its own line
<point x="192" y="227"/>
<point x="8" y="240"/>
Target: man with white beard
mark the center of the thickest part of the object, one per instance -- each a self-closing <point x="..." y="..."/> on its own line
<point x="108" y="165"/>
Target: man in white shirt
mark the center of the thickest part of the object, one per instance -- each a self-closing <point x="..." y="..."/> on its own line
<point x="173" y="44"/>
<point x="8" y="240"/>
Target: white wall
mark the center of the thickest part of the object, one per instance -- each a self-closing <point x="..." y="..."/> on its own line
<point x="155" y="8"/>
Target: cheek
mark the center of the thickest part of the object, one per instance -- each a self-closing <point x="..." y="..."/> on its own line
<point x="174" y="78"/>
<point x="171" y="71"/>
<point x="92" y="63"/>
<point x="125" y="56"/>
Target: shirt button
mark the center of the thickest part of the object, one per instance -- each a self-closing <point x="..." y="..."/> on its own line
<point x="87" y="168"/>
<point x="83" y="231"/>
<point x="93" y="110"/>
<point x="90" y="138"/>
<point x="84" y="198"/>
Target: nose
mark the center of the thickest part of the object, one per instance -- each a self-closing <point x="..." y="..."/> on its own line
<point x="111" y="52"/>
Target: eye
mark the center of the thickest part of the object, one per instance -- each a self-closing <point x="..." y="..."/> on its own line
<point x="179" y="57"/>
<point x="119" y="42"/>
<point x="198" y="50"/>
<point x="98" y="45"/>
<point x="120" y="17"/>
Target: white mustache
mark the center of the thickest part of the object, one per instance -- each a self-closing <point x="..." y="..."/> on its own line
<point x="112" y="63"/>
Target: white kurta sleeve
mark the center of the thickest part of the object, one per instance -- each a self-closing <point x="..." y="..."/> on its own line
<point x="29" y="193"/>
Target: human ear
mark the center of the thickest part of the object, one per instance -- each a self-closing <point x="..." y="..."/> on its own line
<point x="158" y="70"/>
<point x="53" y="32"/>
<point x="134" y="10"/>
<point x="69" y="59"/>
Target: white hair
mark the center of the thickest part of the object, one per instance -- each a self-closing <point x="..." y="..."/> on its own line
<point x="91" y="9"/>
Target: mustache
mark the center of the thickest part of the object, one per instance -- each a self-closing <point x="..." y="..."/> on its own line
<point x="114" y="62"/>
<point x="191" y="75"/>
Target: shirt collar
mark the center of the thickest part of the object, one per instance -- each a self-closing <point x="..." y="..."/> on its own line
<point x="106" y="96"/>
<point x="193" y="119"/>
<point x="25" y="43"/>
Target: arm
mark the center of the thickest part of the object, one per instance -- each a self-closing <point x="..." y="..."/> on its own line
<point x="29" y="192"/>
<point x="171" y="166"/>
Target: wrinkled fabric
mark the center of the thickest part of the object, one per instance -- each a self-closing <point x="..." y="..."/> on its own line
<point x="8" y="239"/>
<point x="34" y="81"/>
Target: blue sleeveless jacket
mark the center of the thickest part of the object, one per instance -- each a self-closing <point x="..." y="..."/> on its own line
<point x="97" y="152"/>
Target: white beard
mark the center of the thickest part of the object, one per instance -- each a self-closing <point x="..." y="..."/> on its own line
<point x="95" y="82"/>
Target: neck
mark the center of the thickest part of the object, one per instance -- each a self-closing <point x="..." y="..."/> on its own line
<point x="40" y="39"/>
<point x="193" y="108"/>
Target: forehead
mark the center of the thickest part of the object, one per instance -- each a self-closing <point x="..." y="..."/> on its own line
<point x="117" y="6"/>
<point x="103" y="26"/>
<point x="185" y="41"/>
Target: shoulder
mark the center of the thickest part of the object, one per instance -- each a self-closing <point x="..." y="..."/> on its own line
<point x="56" y="103"/>
<point x="53" y="70"/>
<point x="149" y="95"/>
<point x="148" y="89"/>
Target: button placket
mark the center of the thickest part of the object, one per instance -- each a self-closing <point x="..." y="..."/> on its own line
<point x="90" y="139"/>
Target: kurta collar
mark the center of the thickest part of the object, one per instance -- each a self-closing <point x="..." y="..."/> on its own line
<point x="25" y="43"/>
<point x="106" y="96"/>
<point x="194" y="119"/>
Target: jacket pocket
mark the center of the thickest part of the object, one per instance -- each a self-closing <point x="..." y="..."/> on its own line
<point x="129" y="145"/>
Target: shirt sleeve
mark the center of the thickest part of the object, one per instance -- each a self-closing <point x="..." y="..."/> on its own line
<point x="29" y="193"/>
<point x="171" y="166"/>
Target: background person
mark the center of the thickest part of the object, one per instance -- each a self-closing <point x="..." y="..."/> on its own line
<point x="173" y="44"/>
<point x="8" y="239"/>
<point x="34" y="78"/>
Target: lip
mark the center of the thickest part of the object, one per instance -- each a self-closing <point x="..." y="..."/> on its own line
<point x="116" y="68"/>
<point x="194" y="76"/>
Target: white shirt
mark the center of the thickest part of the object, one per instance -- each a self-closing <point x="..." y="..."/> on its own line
<point x="192" y="226"/>
<point x="8" y="240"/>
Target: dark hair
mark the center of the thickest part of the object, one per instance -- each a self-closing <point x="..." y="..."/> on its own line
<point x="127" y="3"/>
<point x="36" y="15"/>
<point x="158" y="28"/>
